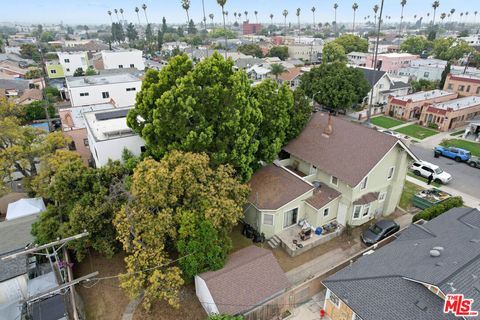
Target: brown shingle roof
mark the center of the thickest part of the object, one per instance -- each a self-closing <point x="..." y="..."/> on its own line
<point x="349" y="153"/>
<point x="272" y="187"/>
<point x="322" y="196"/>
<point x="31" y="95"/>
<point x="366" y="198"/>
<point x="290" y="74"/>
<point x="250" y="276"/>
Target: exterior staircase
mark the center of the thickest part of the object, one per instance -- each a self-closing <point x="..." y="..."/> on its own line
<point x="274" y="242"/>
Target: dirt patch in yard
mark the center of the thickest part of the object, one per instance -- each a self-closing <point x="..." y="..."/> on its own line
<point x="190" y="308"/>
<point x="105" y="300"/>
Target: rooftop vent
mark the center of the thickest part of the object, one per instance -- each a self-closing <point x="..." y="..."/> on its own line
<point x="317" y="184"/>
<point x="435" y="253"/>
<point x="421" y="305"/>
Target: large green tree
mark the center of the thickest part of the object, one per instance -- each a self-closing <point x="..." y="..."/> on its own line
<point x="279" y="52"/>
<point x="416" y="45"/>
<point x="207" y="108"/>
<point x="352" y="43"/>
<point x="451" y="49"/>
<point x="251" y="50"/>
<point x="299" y="114"/>
<point x="335" y="85"/>
<point x="333" y="52"/>
<point x="179" y="203"/>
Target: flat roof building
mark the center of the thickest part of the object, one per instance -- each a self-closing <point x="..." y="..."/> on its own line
<point x="451" y="114"/>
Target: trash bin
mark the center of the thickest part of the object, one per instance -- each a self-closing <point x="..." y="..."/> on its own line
<point x="318" y="231"/>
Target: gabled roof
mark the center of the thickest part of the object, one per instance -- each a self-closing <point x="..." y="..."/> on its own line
<point x="349" y="153"/>
<point x="290" y="74"/>
<point x="372" y="76"/>
<point x="250" y="276"/>
<point x="395" y="273"/>
<point x="272" y="187"/>
<point x="322" y="196"/>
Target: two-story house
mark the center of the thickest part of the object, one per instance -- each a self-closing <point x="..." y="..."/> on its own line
<point x="410" y="278"/>
<point x="334" y="171"/>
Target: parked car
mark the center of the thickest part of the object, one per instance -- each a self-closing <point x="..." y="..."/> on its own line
<point x="379" y="231"/>
<point x="474" y="162"/>
<point x="456" y="154"/>
<point x="392" y="133"/>
<point x="425" y="169"/>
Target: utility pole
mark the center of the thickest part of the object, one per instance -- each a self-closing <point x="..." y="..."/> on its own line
<point x="375" y="57"/>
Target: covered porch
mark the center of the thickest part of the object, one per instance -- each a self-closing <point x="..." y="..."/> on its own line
<point x="295" y="241"/>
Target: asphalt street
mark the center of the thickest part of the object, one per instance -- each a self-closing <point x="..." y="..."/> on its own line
<point x="465" y="178"/>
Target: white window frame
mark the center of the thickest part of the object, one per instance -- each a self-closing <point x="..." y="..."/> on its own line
<point x="365" y="210"/>
<point x="331" y="181"/>
<point x="359" y="212"/>
<point x="294" y="224"/>
<point x="392" y="170"/>
<point x="273" y="219"/>
<point x="328" y="212"/>
<point x="364" y="183"/>
<point x="382" y="196"/>
<point x="329" y="297"/>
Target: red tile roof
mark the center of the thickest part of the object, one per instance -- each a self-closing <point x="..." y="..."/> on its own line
<point x="272" y="187"/>
<point x="290" y="74"/>
<point x="464" y="78"/>
<point x="250" y="276"/>
<point x="349" y="153"/>
<point x="399" y="102"/>
<point x="436" y="110"/>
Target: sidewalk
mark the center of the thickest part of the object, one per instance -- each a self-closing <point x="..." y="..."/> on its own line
<point x="402" y="125"/>
<point x="467" y="199"/>
<point x="434" y="141"/>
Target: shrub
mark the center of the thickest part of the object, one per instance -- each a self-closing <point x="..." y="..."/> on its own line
<point x="433" y="125"/>
<point x="435" y="211"/>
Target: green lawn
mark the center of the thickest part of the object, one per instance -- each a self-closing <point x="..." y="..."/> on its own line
<point x="416" y="131"/>
<point x="473" y="147"/>
<point x="386" y="122"/>
<point x="409" y="191"/>
<point x="411" y="174"/>
<point x="458" y="133"/>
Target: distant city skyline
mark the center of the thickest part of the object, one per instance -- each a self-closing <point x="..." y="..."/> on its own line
<point x="95" y="11"/>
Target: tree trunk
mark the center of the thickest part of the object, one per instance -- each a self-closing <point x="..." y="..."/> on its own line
<point x="225" y="31"/>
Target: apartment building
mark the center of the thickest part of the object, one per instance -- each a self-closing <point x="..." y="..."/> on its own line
<point x="119" y="89"/>
<point x="307" y="52"/>
<point x="71" y="61"/>
<point x="464" y="85"/>
<point x="358" y="59"/>
<point x="409" y="107"/>
<point x="108" y="135"/>
<point x="120" y="59"/>
<point x="391" y="62"/>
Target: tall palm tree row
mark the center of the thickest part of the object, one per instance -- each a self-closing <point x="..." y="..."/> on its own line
<point x="121" y="12"/>
<point x="375" y="10"/>
<point x="246" y="15"/>
<point x="402" y="3"/>
<point x="435" y="5"/>
<point x="285" y="14"/>
<point x="452" y="11"/>
<point x="298" y="17"/>
<point x="256" y="16"/>
<point x="271" y="18"/>
<point x="138" y="17"/>
<point x="116" y="13"/>
<point x="354" y="7"/>
<point x="110" y="14"/>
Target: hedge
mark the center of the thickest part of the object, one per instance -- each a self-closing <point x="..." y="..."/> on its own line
<point x="435" y="211"/>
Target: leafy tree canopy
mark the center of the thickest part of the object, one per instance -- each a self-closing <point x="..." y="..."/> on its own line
<point x="180" y="200"/>
<point x="352" y="43"/>
<point x="424" y="85"/>
<point x="416" y="45"/>
<point x="251" y="50"/>
<point x="333" y="52"/>
<point x="335" y="85"/>
<point x="220" y="33"/>
<point x="280" y="52"/>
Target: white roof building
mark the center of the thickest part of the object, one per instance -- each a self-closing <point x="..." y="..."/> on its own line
<point x="25" y="207"/>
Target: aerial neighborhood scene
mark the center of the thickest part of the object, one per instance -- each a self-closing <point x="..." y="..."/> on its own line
<point x="239" y="160"/>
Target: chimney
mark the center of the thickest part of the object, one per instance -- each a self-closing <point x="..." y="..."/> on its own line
<point x="329" y="128"/>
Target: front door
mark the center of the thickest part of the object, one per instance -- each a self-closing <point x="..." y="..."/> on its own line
<point x="342" y="214"/>
<point x="290" y="218"/>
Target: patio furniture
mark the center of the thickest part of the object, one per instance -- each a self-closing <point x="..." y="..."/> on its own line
<point x="305" y="234"/>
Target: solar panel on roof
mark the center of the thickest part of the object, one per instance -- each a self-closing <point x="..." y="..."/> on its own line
<point x="112" y="115"/>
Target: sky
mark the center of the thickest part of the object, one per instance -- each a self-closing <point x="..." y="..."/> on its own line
<point x="95" y="11"/>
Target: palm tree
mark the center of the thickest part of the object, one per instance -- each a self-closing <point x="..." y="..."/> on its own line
<point x="452" y="11"/>
<point x="335" y="7"/>
<point x="138" y="17"/>
<point x="298" y="17"/>
<point x="285" y="14"/>
<point x="271" y="18"/>
<point x="211" y="16"/>
<point x="121" y="12"/>
<point x="461" y="16"/>
<point x="313" y="12"/>
<point x="375" y="10"/>
<point x="354" y="7"/>
<point x="222" y="4"/>
<point x="443" y="15"/>
<point x="466" y="16"/>
<point x="235" y="15"/>
<point x="240" y="16"/>
<point x="402" y="3"/>
<point x="144" y="7"/>
<point x="226" y="16"/>
<point x="116" y="13"/>
<point x="256" y="16"/>
<point x="186" y="6"/>
<point x="110" y="14"/>
<point x="277" y="69"/>
<point x="475" y="17"/>
<point x="435" y="5"/>
<point x="246" y="15"/>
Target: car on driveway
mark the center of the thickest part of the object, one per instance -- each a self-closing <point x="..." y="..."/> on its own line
<point x="425" y="169"/>
<point x="379" y="231"/>
<point x="474" y="162"/>
<point x="392" y="133"/>
<point x="456" y="154"/>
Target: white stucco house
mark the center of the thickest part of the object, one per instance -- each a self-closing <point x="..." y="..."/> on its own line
<point x="120" y="59"/>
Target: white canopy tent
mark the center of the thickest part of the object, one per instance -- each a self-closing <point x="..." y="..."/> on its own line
<point x="25" y="207"/>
